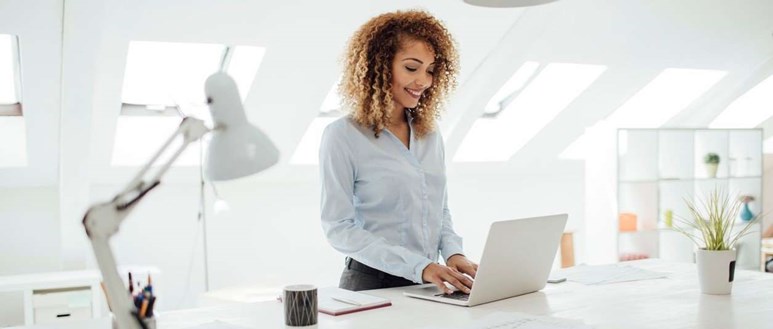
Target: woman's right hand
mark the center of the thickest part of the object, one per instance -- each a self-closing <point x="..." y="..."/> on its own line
<point x="439" y="274"/>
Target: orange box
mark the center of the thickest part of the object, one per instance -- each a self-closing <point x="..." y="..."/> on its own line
<point x="627" y="222"/>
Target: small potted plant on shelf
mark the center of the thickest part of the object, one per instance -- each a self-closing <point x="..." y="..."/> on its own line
<point x="712" y="163"/>
<point x="711" y="227"/>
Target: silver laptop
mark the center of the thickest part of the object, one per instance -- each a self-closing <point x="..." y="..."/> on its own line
<point x="516" y="260"/>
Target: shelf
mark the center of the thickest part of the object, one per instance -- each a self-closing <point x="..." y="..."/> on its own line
<point x="649" y="231"/>
<point x="642" y="181"/>
<point x="696" y="179"/>
<point x="658" y="169"/>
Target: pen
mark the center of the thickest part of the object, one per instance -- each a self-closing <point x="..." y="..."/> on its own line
<point x="131" y="284"/>
<point x="144" y="307"/>
<point x="346" y="301"/>
<point x="152" y="302"/>
<point x="149" y="287"/>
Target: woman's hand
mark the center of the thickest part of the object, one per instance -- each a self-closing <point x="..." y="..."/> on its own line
<point x="462" y="264"/>
<point x="439" y="274"/>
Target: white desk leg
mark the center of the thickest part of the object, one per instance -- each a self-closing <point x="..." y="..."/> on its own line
<point x="28" y="316"/>
<point x="96" y="301"/>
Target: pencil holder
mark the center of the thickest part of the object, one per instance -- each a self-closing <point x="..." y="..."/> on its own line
<point x="150" y="323"/>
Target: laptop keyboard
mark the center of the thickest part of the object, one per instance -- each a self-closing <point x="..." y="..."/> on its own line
<point x="458" y="295"/>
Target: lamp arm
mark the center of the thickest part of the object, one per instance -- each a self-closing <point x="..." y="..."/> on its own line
<point x="191" y="129"/>
<point x="103" y="220"/>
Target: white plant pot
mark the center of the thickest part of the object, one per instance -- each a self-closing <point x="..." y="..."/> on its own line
<point x="711" y="169"/>
<point x="716" y="269"/>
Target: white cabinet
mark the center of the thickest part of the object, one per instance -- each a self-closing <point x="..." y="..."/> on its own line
<point x="659" y="168"/>
<point x="48" y="295"/>
<point x="61" y="305"/>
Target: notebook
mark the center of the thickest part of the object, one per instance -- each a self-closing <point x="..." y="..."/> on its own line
<point x="337" y="301"/>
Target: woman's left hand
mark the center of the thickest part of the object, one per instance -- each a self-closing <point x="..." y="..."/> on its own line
<point x="462" y="264"/>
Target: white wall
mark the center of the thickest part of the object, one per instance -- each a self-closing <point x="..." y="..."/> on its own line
<point x="767" y="190"/>
<point x="29" y="240"/>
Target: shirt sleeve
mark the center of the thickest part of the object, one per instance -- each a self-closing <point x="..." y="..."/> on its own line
<point x="450" y="242"/>
<point x="337" y="177"/>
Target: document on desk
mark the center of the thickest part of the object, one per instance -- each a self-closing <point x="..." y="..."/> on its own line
<point x="603" y="274"/>
<point x="217" y="325"/>
<point x="337" y="301"/>
<point x="514" y="320"/>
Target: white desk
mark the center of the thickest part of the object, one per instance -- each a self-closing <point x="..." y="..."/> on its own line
<point x="28" y="284"/>
<point x="90" y="280"/>
<point x="675" y="302"/>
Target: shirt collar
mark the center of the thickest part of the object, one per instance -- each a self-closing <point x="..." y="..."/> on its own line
<point x="409" y="116"/>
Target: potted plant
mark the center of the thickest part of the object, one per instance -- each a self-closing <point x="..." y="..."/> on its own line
<point x="712" y="163"/>
<point x="710" y="226"/>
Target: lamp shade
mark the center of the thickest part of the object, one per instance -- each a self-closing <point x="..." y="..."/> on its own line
<point x="507" y="3"/>
<point x="237" y="148"/>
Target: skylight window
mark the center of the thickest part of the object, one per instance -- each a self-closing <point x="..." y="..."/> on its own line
<point x="749" y="110"/>
<point x="137" y="138"/>
<point x="167" y="74"/>
<point x="664" y="97"/>
<point x="9" y="70"/>
<point x="13" y="132"/>
<point x="242" y="65"/>
<point x="307" y="152"/>
<point x="165" y="80"/>
<point x="13" y="152"/>
<point x="551" y="91"/>
<point x="510" y="89"/>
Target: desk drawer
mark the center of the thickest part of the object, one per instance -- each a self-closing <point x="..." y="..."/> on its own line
<point x="59" y="305"/>
<point x="45" y="315"/>
<point x="70" y="297"/>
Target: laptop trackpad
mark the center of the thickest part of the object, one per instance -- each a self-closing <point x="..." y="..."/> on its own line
<point x="458" y="295"/>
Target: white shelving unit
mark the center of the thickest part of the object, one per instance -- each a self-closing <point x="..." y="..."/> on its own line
<point x="78" y="291"/>
<point x="659" y="168"/>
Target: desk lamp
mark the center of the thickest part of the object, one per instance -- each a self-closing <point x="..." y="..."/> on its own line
<point x="237" y="149"/>
<point x="507" y="3"/>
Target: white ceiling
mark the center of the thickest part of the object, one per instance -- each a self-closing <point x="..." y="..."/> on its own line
<point x="74" y="54"/>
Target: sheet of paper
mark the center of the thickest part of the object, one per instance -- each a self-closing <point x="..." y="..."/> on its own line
<point x="602" y="274"/>
<point x="217" y="325"/>
<point x="514" y="320"/>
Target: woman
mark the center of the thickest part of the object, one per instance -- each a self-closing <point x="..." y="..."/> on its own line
<point x="382" y="167"/>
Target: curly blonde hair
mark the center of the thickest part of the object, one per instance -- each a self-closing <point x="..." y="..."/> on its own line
<point x="367" y="78"/>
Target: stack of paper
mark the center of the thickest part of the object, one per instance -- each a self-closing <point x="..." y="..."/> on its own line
<point x="514" y="320"/>
<point x="337" y="301"/>
<point x="602" y="274"/>
<point x="217" y="325"/>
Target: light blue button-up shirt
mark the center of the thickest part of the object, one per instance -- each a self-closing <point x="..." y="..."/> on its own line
<point x="383" y="204"/>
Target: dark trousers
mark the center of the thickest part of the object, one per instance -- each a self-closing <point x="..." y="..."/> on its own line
<point x="358" y="276"/>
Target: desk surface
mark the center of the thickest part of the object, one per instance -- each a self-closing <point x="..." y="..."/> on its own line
<point x="65" y="279"/>
<point x="49" y="280"/>
<point x="675" y="302"/>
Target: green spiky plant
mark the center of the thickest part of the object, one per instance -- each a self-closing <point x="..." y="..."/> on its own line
<point x="710" y="226"/>
<point x="712" y="158"/>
